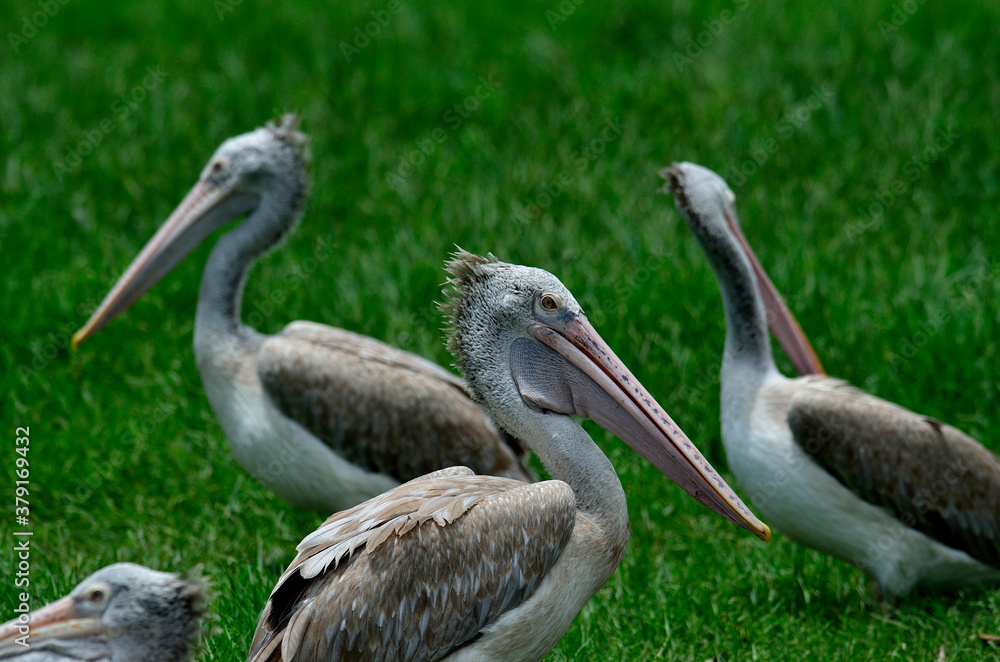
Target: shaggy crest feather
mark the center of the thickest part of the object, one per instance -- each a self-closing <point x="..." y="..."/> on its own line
<point x="195" y="590"/>
<point x="464" y="269"/>
<point x="286" y="129"/>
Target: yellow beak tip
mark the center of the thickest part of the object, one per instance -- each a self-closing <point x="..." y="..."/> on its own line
<point x="77" y="340"/>
<point x="766" y="536"/>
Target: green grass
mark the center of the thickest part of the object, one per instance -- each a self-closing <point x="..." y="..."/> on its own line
<point x="128" y="462"/>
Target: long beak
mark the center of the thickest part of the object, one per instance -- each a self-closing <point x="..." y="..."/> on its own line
<point x="202" y="211"/>
<point x="783" y="324"/>
<point x="640" y="422"/>
<point x="779" y="319"/>
<point x="59" y="620"/>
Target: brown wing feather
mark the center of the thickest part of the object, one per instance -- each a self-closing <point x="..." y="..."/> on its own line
<point x="396" y="580"/>
<point x="929" y="475"/>
<point x="367" y="400"/>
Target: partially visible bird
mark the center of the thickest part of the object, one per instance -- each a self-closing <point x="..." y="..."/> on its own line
<point x="323" y="417"/>
<point x="459" y="567"/>
<point x="906" y="498"/>
<point x="122" y="613"/>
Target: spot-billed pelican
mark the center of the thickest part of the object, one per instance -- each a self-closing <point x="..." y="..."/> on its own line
<point x="909" y="500"/>
<point x="459" y="567"/>
<point x="323" y="417"/>
<point x="121" y="613"/>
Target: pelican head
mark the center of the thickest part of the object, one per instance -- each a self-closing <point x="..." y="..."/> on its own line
<point x="122" y="613"/>
<point x="708" y="206"/>
<point x="258" y="171"/>
<point x="528" y="352"/>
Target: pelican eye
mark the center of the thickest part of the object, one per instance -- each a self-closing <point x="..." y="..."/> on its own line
<point x="98" y="594"/>
<point x="549" y="301"/>
<point x="219" y="166"/>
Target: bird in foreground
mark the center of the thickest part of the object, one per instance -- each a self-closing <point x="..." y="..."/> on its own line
<point x="455" y="566"/>
<point x="122" y="613"/>
<point x="323" y="417"/>
<point x="909" y="500"/>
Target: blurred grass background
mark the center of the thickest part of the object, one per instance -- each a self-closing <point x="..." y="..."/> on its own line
<point x="860" y="140"/>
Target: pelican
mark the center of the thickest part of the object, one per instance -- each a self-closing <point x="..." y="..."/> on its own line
<point x="323" y="417"/>
<point x="121" y="613"/>
<point x="909" y="500"/>
<point x="459" y="567"/>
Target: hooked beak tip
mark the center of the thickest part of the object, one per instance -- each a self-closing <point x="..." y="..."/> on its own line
<point x="77" y="339"/>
